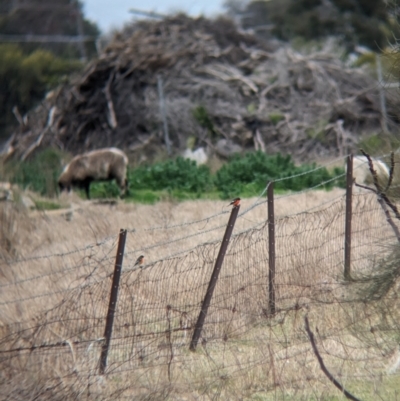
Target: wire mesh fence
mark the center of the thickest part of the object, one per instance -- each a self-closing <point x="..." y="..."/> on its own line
<point x="245" y="351"/>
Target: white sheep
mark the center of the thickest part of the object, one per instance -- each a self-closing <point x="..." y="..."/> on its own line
<point x="199" y="155"/>
<point x="97" y="165"/>
<point x="362" y="173"/>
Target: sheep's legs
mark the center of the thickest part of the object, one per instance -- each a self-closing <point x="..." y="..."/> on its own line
<point x="123" y="186"/>
<point x="87" y="189"/>
<point x="126" y="188"/>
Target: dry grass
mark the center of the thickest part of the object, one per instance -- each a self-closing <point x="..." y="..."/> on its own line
<point x="49" y="233"/>
<point x="244" y="353"/>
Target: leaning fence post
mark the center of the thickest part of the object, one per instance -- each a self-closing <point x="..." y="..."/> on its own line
<point x="113" y="300"/>
<point x="347" y="232"/>
<point x="214" y="278"/>
<point x="271" y="248"/>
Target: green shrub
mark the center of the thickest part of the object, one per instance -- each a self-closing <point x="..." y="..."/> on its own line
<point x="251" y="173"/>
<point x="202" y="116"/>
<point x="104" y="190"/>
<point x="181" y="178"/>
<point x="182" y="174"/>
<point x="40" y="174"/>
<point x="253" y="168"/>
<point x="354" y="22"/>
<point x="145" y="196"/>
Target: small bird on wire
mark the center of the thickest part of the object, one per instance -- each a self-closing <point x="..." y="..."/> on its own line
<point x="139" y="261"/>
<point x="235" y="202"/>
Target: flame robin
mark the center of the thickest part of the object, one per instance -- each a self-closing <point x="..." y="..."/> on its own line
<point x="235" y="202"/>
<point x="139" y="261"/>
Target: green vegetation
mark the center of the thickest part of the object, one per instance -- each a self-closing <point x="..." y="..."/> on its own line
<point x="179" y="174"/>
<point x="145" y="196"/>
<point x="248" y="175"/>
<point x="202" y="116"/>
<point x="182" y="179"/>
<point x="25" y="78"/>
<point x="29" y="69"/>
<point x="356" y="22"/>
<point x="276" y="117"/>
<point x="48" y="17"/>
<point x="46" y="205"/>
<point x="373" y="143"/>
<point x="379" y="143"/>
<point x="318" y="132"/>
<point x="251" y="108"/>
<point x="39" y="174"/>
<point x="103" y="190"/>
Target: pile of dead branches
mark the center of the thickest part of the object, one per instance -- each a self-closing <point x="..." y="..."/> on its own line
<point x="218" y="83"/>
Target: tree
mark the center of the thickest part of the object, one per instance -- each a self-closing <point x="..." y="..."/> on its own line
<point x="49" y="17"/>
<point x="28" y="70"/>
<point x="25" y="78"/>
<point x="355" y="22"/>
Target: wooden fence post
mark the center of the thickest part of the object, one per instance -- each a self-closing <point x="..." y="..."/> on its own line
<point x="347" y="233"/>
<point x="271" y="248"/>
<point x="214" y="277"/>
<point x="113" y="300"/>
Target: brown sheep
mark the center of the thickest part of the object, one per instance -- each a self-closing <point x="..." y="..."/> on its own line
<point x="97" y="165"/>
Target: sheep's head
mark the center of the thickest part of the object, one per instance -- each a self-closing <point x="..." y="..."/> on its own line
<point x="63" y="186"/>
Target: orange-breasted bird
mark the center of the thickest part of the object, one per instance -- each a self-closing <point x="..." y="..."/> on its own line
<point x="139" y="261"/>
<point x="235" y="202"/>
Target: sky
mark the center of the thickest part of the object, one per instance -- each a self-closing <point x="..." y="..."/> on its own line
<point x="110" y="14"/>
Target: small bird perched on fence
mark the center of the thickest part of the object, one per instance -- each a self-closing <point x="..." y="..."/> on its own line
<point x="235" y="202"/>
<point x="139" y="261"/>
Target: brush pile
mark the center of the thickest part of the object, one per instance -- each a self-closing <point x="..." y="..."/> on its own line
<point x="223" y="88"/>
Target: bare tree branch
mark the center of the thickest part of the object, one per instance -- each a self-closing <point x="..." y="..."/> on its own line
<point x="381" y="194"/>
<point x="373" y="171"/>
<point x="391" y="172"/>
<point x="18" y="116"/>
<point x="111" y="117"/>
<point x="322" y="365"/>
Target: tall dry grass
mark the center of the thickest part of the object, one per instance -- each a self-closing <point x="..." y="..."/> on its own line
<point x="39" y="234"/>
<point x="244" y="353"/>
